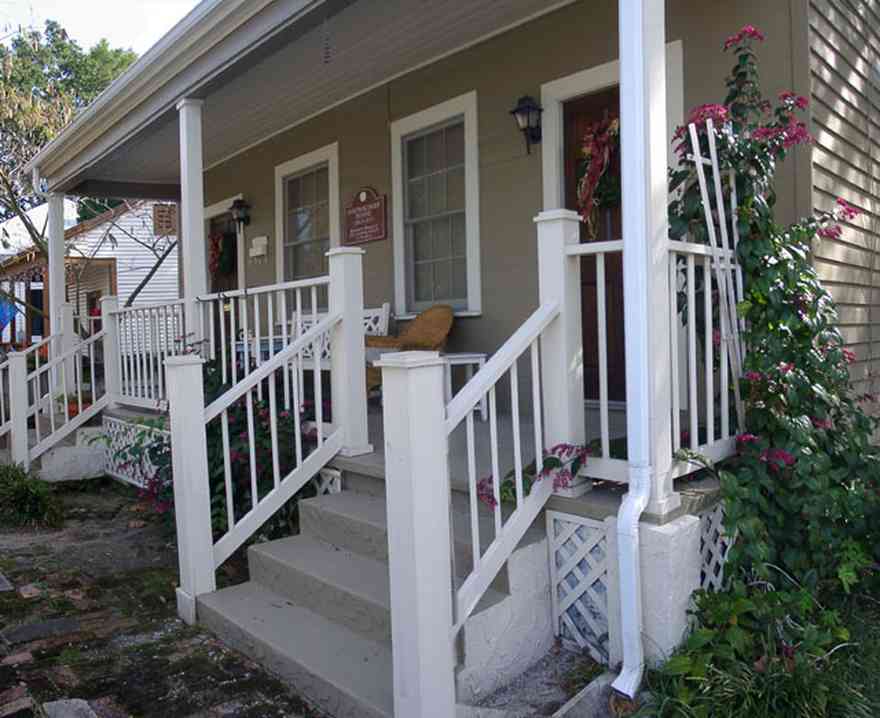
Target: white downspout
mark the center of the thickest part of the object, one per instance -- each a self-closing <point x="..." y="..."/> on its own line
<point x="645" y="229"/>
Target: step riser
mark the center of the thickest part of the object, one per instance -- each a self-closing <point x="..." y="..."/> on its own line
<point x="358" y="613"/>
<point x="319" y="691"/>
<point x="370" y="540"/>
<point x="362" y="484"/>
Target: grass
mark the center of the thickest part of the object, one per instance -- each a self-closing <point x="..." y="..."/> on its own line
<point x="861" y="614"/>
<point x="27" y="502"/>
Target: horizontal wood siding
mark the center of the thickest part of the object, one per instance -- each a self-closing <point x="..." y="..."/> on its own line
<point x="844" y="52"/>
<point x="117" y="240"/>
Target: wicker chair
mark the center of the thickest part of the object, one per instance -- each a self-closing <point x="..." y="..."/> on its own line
<point x="428" y="332"/>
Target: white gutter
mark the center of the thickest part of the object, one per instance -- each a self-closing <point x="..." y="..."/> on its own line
<point x="629" y="557"/>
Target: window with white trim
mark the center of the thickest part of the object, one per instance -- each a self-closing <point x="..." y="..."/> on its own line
<point x="307" y="223"/>
<point x="436" y="232"/>
<point x="436" y="208"/>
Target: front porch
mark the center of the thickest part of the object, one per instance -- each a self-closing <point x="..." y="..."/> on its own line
<point x="261" y="370"/>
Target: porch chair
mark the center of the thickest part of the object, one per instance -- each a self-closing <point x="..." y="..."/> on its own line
<point x="428" y="332"/>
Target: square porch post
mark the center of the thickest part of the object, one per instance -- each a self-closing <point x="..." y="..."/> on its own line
<point x="644" y="140"/>
<point x="55" y="272"/>
<point x="192" y="220"/>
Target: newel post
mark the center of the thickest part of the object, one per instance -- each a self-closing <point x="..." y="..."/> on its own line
<point x="348" y="387"/>
<point x="192" y="494"/>
<point x="18" y="408"/>
<point x="418" y="496"/>
<point x="562" y="361"/>
<point x="110" y="325"/>
<point x="69" y="340"/>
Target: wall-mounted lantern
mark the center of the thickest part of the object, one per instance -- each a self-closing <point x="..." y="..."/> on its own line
<point x="527" y="114"/>
<point x="241" y="213"/>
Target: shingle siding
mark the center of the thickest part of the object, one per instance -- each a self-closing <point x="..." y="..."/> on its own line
<point x="844" y="54"/>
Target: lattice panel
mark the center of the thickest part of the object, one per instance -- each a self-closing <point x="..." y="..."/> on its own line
<point x="121" y="434"/>
<point x="579" y="577"/>
<point x="328" y="481"/>
<point x="714" y="548"/>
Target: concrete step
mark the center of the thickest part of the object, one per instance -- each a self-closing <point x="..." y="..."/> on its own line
<point x="337" y="583"/>
<point x="339" y="670"/>
<point x="358" y="523"/>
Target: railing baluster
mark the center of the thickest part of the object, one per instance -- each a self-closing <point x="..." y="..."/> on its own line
<point x="227" y="470"/>
<point x="233" y="344"/>
<point x="602" y="324"/>
<point x="472" y="491"/>
<point x="710" y="355"/>
<point x="258" y="348"/>
<point x="692" y="351"/>
<point x="246" y="337"/>
<point x="286" y="372"/>
<point x="212" y="329"/>
<point x="517" y="455"/>
<point x="77" y="376"/>
<point x="298" y="329"/>
<point x="297" y="420"/>
<point x="93" y="382"/>
<point x="222" y="312"/>
<point x="273" y="430"/>
<point x="318" y="393"/>
<point x="536" y="408"/>
<point x="673" y="352"/>
<point x="252" y="451"/>
<point x="496" y="469"/>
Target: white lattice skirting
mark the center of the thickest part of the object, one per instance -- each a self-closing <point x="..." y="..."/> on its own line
<point x="579" y="579"/>
<point x="120" y="435"/>
<point x="714" y="549"/>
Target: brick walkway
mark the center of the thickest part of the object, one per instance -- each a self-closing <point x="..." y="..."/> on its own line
<point x="88" y="625"/>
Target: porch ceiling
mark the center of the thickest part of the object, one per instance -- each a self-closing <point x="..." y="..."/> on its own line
<point x="333" y="51"/>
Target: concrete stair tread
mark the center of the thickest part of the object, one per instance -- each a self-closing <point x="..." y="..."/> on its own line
<point x="357" y="575"/>
<point x="303" y="642"/>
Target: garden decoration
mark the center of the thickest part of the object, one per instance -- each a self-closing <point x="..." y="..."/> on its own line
<point x="597" y="188"/>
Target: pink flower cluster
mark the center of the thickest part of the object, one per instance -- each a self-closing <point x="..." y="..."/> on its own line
<point x="821" y="423"/>
<point x="790" y="135"/>
<point x="798" y="102"/>
<point x="786" y="368"/>
<point x="833" y="231"/>
<point x="777" y="458"/>
<point x="754" y="376"/>
<point x="486" y="492"/>
<point x="846" y="211"/>
<point x="849" y="356"/>
<point x="748" y="32"/>
<point x="744" y="439"/>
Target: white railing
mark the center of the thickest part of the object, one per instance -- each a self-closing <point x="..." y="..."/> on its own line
<point x="271" y="434"/>
<point x="704" y="387"/>
<point x="38" y="354"/>
<point x="56" y="398"/>
<point x="602" y="465"/>
<point x="244" y="328"/>
<point x="508" y="530"/>
<point x="145" y="336"/>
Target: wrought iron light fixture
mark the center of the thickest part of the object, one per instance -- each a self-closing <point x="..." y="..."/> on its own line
<point x="527" y="114"/>
<point x="241" y="213"/>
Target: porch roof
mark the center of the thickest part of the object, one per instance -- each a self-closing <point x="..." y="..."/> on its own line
<point x="262" y="66"/>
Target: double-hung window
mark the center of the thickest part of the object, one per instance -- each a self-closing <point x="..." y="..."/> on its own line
<point x="437" y="208"/>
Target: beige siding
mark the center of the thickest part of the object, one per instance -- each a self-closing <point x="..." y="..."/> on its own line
<point x="844" y="51"/>
<point x="501" y="69"/>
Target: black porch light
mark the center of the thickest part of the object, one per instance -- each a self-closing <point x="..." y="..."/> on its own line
<point x="241" y="212"/>
<point x="527" y="114"/>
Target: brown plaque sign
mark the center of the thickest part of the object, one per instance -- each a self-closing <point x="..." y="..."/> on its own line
<point x="366" y="218"/>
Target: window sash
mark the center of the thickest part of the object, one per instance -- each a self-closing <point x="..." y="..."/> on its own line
<point x="313" y="208"/>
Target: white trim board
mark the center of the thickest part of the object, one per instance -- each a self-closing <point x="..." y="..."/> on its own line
<point x="554" y="94"/>
<point x="216" y="210"/>
<point x="462" y="106"/>
<point x="329" y="155"/>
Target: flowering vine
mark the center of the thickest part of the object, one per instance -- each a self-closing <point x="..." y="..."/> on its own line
<point x="597" y="188"/>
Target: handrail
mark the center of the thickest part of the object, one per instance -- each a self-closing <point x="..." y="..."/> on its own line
<point x="43" y="342"/>
<point x="74" y="350"/>
<point x="217" y="407"/>
<point x="265" y="289"/>
<point x="146" y="307"/>
<point x="472" y="393"/>
<point x="702" y="250"/>
<point x="590" y="248"/>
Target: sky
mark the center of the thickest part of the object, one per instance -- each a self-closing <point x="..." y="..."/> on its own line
<point x="134" y="24"/>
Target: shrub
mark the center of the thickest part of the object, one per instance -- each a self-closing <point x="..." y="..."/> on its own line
<point x="28" y="501"/>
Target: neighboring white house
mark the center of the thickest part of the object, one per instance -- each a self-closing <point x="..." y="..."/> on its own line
<point x="111" y="254"/>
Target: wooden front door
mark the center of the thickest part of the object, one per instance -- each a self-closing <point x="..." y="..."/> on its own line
<point x="578" y="115"/>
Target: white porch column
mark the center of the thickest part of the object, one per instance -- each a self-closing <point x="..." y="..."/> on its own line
<point x="55" y="241"/>
<point x="562" y="360"/>
<point x="347" y="352"/>
<point x="419" y="556"/>
<point x="644" y="142"/>
<point x="192" y="221"/>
